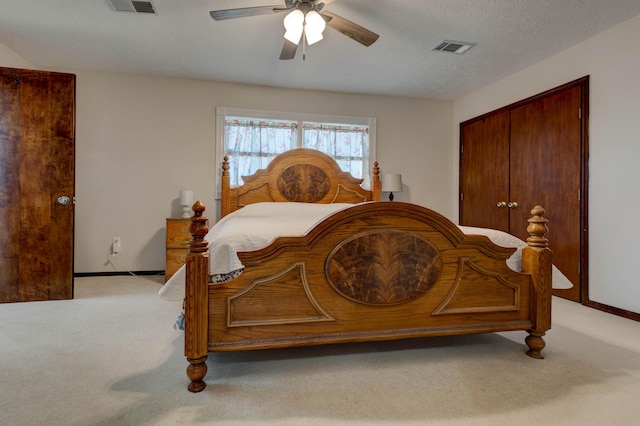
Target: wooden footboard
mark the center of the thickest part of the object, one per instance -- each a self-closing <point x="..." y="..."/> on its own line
<point x="375" y="271"/>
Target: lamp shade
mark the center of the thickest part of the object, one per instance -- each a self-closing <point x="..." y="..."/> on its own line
<point x="392" y="182"/>
<point x="186" y="198"/>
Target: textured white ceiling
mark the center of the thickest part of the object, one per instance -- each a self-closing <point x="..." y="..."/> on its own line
<point x="183" y="41"/>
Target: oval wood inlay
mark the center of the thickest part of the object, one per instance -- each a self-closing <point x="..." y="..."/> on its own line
<point x="303" y="183"/>
<point x="384" y="267"/>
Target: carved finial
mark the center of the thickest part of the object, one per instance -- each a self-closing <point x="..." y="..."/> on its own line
<point x="225" y="166"/>
<point x="198" y="229"/>
<point x="376" y="171"/>
<point x="198" y="208"/>
<point x="537" y="228"/>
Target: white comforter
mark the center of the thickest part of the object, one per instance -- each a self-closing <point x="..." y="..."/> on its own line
<point x="256" y="225"/>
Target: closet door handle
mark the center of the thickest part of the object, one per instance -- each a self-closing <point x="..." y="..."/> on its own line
<point x="502" y="204"/>
<point x="512" y="205"/>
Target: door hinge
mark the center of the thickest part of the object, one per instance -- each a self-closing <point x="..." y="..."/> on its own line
<point x="579" y="113"/>
<point x="579" y="196"/>
<point x="461" y="196"/>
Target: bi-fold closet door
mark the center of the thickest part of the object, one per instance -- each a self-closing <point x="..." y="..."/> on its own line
<point x="530" y="153"/>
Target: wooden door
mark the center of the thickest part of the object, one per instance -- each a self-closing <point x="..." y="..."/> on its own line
<point x="545" y="161"/>
<point x="37" y="165"/>
<point x="544" y="138"/>
<point x="484" y="185"/>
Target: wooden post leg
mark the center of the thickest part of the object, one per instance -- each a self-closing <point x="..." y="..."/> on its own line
<point x="536" y="344"/>
<point x="196" y="371"/>
<point x="536" y="260"/>
<point x="196" y="301"/>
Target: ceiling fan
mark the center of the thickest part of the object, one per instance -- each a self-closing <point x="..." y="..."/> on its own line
<point x="300" y="23"/>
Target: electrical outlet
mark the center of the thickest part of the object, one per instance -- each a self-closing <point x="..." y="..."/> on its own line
<point x="115" y="245"/>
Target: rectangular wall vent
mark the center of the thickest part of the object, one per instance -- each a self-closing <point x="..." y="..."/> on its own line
<point x="458" y="47"/>
<point x="133" y="6"/>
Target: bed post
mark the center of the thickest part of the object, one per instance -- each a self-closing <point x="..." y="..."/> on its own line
<point x="196" y="301"/>
<point x="376" y="185"/>
<point x="225" y="187"/>
<point x="536" y="260"/>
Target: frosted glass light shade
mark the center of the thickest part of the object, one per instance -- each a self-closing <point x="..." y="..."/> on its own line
<point x="294" y="24"/>
<point x="314" y="26"/>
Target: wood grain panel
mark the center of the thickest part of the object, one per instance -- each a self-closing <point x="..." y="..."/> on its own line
<point x="38" y="167"/>
<point x="383" y="267"/>
<point x="305" y="183"/>
<point x="484" y="178"/>
<point x="546" y="170"/>
<point x="61" y="170"/>
<point x="9" y="186"/>
<point x="256" y="305"/>
<point x="34" y="156"/>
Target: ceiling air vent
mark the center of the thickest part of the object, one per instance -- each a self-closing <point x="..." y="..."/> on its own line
<point x="133" y="6"/>
<point x="458" y="47"/>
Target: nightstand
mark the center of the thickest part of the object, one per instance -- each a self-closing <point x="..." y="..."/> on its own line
<point x="177" y="244"/>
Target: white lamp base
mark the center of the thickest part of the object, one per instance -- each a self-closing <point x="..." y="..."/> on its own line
<point x="186" y="211"/>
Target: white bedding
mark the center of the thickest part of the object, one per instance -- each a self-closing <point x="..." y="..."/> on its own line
<point x="256" y="225"/>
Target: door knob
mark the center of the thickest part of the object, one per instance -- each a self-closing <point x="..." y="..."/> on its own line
<point x="512" y="205"/>
<point x="502" y="204"/>
<point x="64" y="200"/>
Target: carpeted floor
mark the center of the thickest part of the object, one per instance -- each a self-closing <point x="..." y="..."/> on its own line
<point x="111" y="357"/>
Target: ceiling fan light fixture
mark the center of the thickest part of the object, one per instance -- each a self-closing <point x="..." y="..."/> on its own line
<point x="294" y="24"/>
<point x="314" y="25"/>
<point x="299" y="27"/>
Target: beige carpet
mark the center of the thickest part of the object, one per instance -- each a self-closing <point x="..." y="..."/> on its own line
<point x="111" y="357"/>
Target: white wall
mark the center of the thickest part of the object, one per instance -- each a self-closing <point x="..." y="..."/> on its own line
<point x="141" y="139"/>
<point x="10" y="59"/>
<point x="613" y="64"/>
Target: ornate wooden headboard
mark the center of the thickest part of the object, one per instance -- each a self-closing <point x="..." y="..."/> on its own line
<point x="298" y="175"/>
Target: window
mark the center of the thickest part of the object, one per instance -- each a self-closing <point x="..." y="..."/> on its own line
<point x="251" y="139"/>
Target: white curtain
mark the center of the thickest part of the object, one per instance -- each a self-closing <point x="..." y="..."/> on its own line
<point x="251" y="144"/>
<point x="347" y="144"/>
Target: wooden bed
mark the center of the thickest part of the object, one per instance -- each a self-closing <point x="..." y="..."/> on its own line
<point x="379" y="270"/>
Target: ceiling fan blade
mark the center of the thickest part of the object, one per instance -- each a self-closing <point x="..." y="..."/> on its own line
<point x="288" y="50"/>
<point x="350" y="29"/>
<point x="326" y="2"/>
<point x="242" y="12"/>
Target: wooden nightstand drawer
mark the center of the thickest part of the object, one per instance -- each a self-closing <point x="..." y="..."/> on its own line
<point x="178" y="235"/>
<point x="177" y="245"/>
<point x="175" y="259"/>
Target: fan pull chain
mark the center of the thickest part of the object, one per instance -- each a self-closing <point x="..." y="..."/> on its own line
<point x="304" y="46"/>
